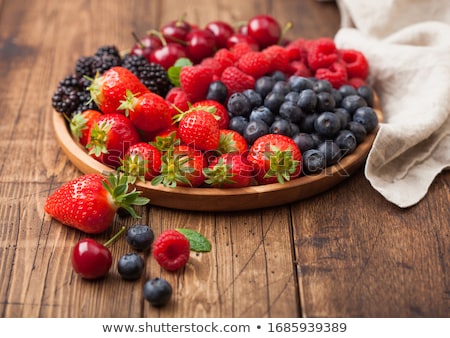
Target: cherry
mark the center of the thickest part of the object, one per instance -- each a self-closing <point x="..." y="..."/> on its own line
<point x="145" y="46"/>
<point x="239" y="37"/>
<point x="264" y="29"/>
<point x="168" y="54"/>
<point x="201" y="44"/>
<point x="176" y="30"/>
<point x="91" y="259"/>
<point x="221" y="31"/>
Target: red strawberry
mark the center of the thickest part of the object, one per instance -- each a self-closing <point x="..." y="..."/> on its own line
<point x="255" y="64"/>
<point x="217" y="109"/>
<point x="276" y="158"/>
<point x="81" y="123"/>
<point x="231" y="142"/>
<point x="142" y="161"/>
<point x="171" y="250"/>
<point x="195" y="80"/>
<point x="110" y="137"/>
<point x="148" y="112"/>
<point x="199" y="128"/>
<point x="110" y="88"/>
<point x="236" y="80"/>
<point x="182" y="165"/>
<point x="89" y="202"/>
<point x="229" y="171"/>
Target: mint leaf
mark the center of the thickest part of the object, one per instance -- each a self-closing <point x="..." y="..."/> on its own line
<point x="174" y="71"/>
<point x="198" y="242"/>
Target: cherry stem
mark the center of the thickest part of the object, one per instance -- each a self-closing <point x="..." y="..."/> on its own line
<point x="138" y="41"/>
<point x="285" y="29"/>
<point x="159" y="35"/>
<point x="113" y="238"/>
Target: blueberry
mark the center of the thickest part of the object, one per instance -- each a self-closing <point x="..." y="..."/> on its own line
<point x="130" y="266"/>
<point x="262" y="113"/>
<point x="358" y="130"/>
<point x="140" y="237"/>
<point x="307" y="101"/>
<point x="157" y="291"/>
<point x="346" y="140"/>
<point x="239" y="105"/>
<point x="344" y="116"/>
<point x="273" y="101"/>
<point x="325" y="102"/>
<point x="367" y="94"/>
<point x="353" y="102"/>
<point x="281" y="87"/>
<point x="307" y="124"/>
<point x="299" y="83"/>
<point x="331" y="151"/>
<point x="278" y="76"/>
<point x="322" y="86"/>
<point x="347" y="90"/>
<point x="313" y="161"/>
<point x="292" y="96"/>
<point x="367" y="117"/>
<point x="327" y="124"/>
<point x="238" y="123"/>
<point x="281" y="126"/>
<point x="264" y="85"/>
<point x="295" y="129"/>
<point x="217" y="91"/>
<point x="254" y="97"/>
<point x="254" y="130"/>
<point x="290" y="111"/>
<point x="337" y="96"/>
<point x="304" y="141"/>
<point x="317" y="139"/>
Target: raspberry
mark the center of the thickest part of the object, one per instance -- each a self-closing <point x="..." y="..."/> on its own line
<point x="356" y="82"/>
<point x="301" y="69"/>
<point x="322" y="53"/>
<point x="171" y="250"/>
<point x="236" y="80"/>
<point x="336" y="74"/>
<point x="241" y="49"/>
<point x="297" y="50"/>
<point x="225" y="58"/>
<point x="254" y="64"/>
<point x="195" y="81"/>
<point x="279" y="59"/>
<point x="355" y="62"/>
<point x="214" y="64"/>
<point x="177" y="97"/>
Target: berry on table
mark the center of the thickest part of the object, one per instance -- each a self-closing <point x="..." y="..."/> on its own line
<point x="130" y="266"/>
<point x="157" y="291"/>
<point x="140" y="237"/>
<point x="171" y="250"/>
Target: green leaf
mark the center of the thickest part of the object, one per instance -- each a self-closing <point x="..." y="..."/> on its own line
<point x="174" y="72"/>
<point x="198" y="242"/>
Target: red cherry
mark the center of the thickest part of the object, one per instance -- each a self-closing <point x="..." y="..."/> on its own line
<point x="145" y="46"/>
<point x="90" y="259"/>
<point x="238" y="37"/>
<point x="176" y="30"/>
<point x="201" y="44"/>
<point x="167" y="55"/>
<point x="264" y="29"/>
<point x="222" y="31"/>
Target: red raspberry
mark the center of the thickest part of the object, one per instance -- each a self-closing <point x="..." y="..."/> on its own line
<point x="336" y="74"/>
<point x="195" y="81"/>
<point x="177" y="97"/>
<point x="322" y="53"/>
<point x="240" y="49"/>
<point x="297" y="50"/>
<point x="301" y="69"/>
<point x="355" y="62"/>
<point x="356" y="82"/>
<point x="236" y="80"/>
<point x="212" y="63"/>
<point x="279" y="59"/>
<point x="255" y="64"/>
<point x="225" y="58"/>
<point x="171" y="250"/>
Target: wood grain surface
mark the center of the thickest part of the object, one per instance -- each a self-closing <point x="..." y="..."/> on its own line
<point x="344" y="253"/>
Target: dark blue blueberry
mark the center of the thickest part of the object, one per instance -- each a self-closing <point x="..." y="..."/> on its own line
<point x="353" y="102"/>
<point x="291" y="111"/>
<point x="331" y="151"/>
<point x="322" y="86"/>
<point x="157" y="291"/>
<point x="130" y="266"/>
<point x="217" y="91"/>
<point x="337" y="97"/>
<point x="299" y="83"/>
<point x="254" y="130"/>
<point x="317" y="139"/>
<point x="346" y="140"/>
<point x="238" y="123"/>
<point x="281" y="126"/>
<point x="358" y="130"/>
<point x="281" y="87"/>
<point x="344" y="116"/>
<point x="140" y="237"/>
<point x="264" y="85"/>
<point x="295" y="129"/>
<point x="307" y="124"/>
<point x="347" y="90"/>
<point x="304" y="141"/>
<point x="367" y="117"/>
<point x="367" y="94"/>
<point x="307" y="101"/>
<point x="262" y="113"/>
<point x="254" y="97"/>
<point x="292" y="96"/>
<point x="325" y="102"/>
<point x="273" y="101"/>
<point x="239" y="105"/>
<point x="278" y="76"/>
<point x="327" y="124"/>
<point x="314" y="161"/>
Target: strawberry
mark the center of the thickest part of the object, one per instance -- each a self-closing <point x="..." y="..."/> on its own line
<point x="142" y="161"/>
<point x="110" y="137"/>
<point x="182" y="165"/>
<point x="81" y="123"/>
<point x="229" y="171"/>
<point x="195" y="80"/>
<point x="276" y="158"/>
<point x="148" y="112"/>
<point x="199" y="128"/>
<point x="110" y="88"/>
<point x="90" y="202"/>
<point x="231" y="141"/>
<point x="217" y="109"/>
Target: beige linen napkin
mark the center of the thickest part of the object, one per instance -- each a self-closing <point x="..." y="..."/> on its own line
<point x="407" y="44"/>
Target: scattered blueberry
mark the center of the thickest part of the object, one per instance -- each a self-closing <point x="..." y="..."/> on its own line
<point x="140" y="237"/>
<point x="157" y="291"/>
<point x="130" y="266"/>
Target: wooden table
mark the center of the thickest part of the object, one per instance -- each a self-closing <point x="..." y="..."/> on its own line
<point x="344" y="253"/>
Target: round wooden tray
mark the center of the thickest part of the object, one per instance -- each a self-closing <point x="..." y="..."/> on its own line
<point x="214" y="199"/>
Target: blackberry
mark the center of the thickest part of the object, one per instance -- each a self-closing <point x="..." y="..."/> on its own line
<point x="152" y="75"/>
<point x="104" y="58"/>
<point x="85" y="67"/>
<point x="65" y="100"/>
<point x="108" y="50"/>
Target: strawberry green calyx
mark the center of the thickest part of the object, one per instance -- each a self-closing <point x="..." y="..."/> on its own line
<point x="122" y="197"/>
<point x="129" y="103"/>
<point x="219" y="175"/>
<point x="173" y="169"/>
<point x="135" y="167"/>
<point x="282" y="164"/>
<point x="95" y="88"/>
<point x="77" y="124"/>
<point x="98" y="139"/>
<point x="164" y="143"/>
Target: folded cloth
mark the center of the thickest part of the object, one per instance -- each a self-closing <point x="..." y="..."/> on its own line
<point x="407" y="45"/>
